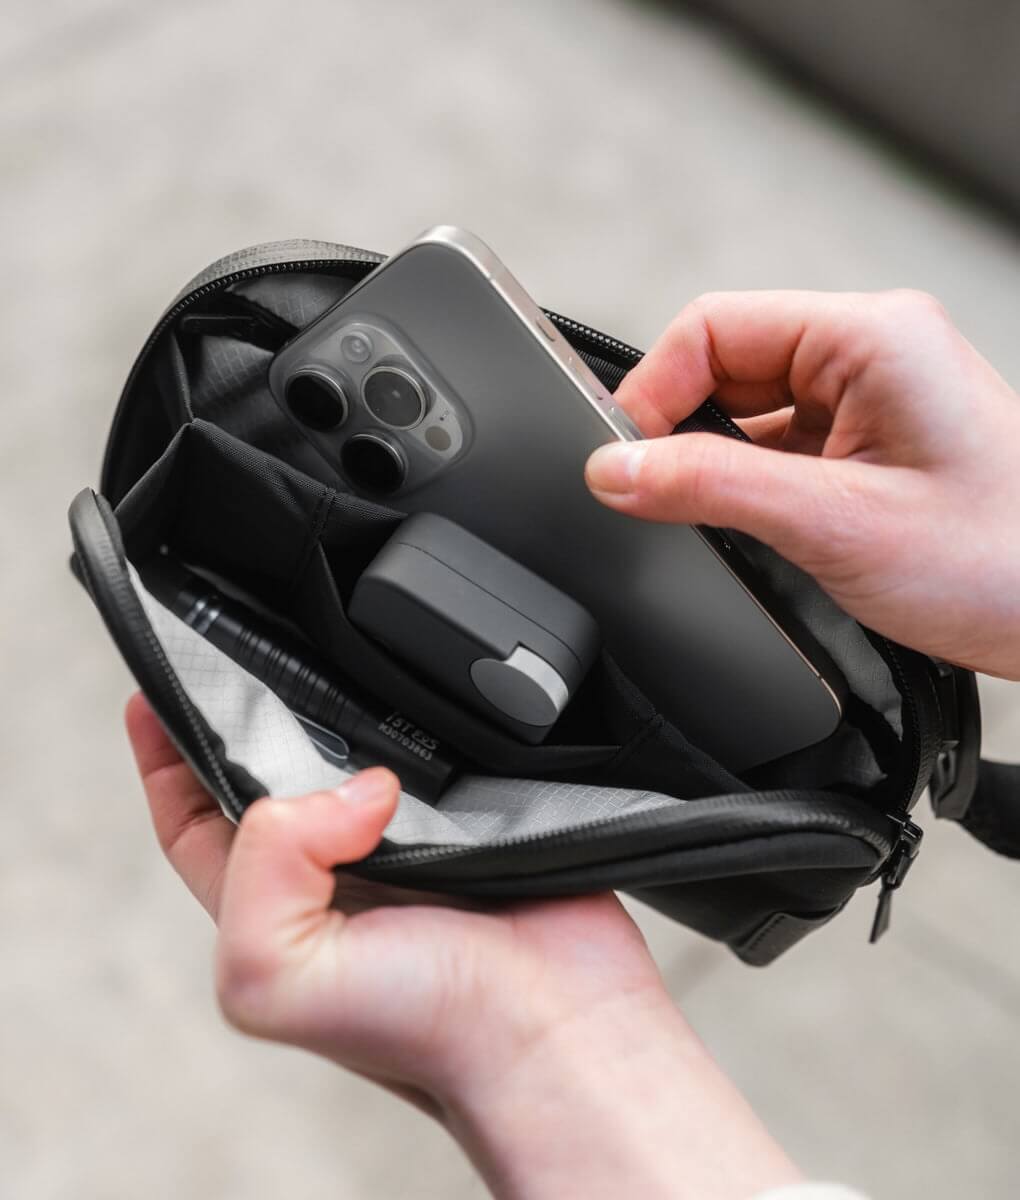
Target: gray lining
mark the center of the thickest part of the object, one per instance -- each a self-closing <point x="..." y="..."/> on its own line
<point x="260" y="734"/>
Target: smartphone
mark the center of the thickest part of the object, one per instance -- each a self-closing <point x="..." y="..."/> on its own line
<point x="438" y="385"/>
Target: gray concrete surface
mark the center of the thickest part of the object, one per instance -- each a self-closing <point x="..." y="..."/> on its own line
<point x="621" y="160"/>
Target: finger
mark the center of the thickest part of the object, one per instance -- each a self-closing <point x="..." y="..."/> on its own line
<point x="785" y="429"/>
<point x="353" y="895"/>
<point x="279" y="886"/>
<point x="807" y="508"/>
<point x="753" y="348"/>
<point x="741" y="399"/>
<point x="766" y="429"/>
<point x="192" y="831"/>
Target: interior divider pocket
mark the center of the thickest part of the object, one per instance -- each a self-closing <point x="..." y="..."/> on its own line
<point x="319" y="610"/>
<point x="654" y="752"/>
<point x="297" y="546"/>
<point x="230" y="507"/>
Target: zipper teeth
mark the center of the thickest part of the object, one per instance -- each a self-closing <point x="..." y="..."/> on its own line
<point x="640" y="821"/>
<point x="222" y="281"/>
<point x="594" y="337"/>
<point x="602" y="341"/>
<point x="288" y="266"/>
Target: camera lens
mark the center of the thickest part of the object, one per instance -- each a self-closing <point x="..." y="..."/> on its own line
<point x="371" y="463"/>
<point x="316" y="400"/>
<point x="394" y="397"/>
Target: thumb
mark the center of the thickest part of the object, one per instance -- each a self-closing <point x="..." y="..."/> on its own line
<point x="808" y="508"/>
<point x="279" y="886"/>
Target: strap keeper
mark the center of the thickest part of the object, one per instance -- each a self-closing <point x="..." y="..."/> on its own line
<point x="955" y="772"/>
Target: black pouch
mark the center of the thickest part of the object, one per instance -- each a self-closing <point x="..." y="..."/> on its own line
<point x="201" y="465"/>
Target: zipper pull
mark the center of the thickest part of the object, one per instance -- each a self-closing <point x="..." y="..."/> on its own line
<point x="900" y="861"/>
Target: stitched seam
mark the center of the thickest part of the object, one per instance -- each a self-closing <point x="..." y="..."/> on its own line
<point x="764" y="932"/>
<point x="629" y="749"/>
<point x="779" y="919"/>
<point x="315" y="528"/>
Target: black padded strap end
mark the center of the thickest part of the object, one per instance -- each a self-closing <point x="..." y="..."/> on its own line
<point x="993" y="816"/>
<point x="954" y="774"/>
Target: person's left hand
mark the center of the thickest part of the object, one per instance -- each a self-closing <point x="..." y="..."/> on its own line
<point x="510" y="1024"/>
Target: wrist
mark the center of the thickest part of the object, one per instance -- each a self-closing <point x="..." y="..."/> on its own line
<point x="622" y="1100"/>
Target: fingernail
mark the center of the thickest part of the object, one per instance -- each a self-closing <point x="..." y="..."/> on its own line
<point x="614" y="468"/>
<point x="366" y="787"/>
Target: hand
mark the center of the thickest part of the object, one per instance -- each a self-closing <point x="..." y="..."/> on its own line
<point x="886" y="464"/>
<point x="539" y="1033"/>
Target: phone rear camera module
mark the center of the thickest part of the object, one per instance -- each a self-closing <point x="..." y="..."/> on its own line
<point x="394" y="397"/>
<point x="373" y="464"/>
<point x="316" y="399"/>
<point x="356" y="347"/>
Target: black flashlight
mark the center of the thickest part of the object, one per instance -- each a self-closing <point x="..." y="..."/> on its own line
<point x="311" y="689"/>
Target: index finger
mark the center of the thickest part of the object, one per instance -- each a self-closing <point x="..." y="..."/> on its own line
<point x="749" y="348"/>
<point x="192" y="831"/>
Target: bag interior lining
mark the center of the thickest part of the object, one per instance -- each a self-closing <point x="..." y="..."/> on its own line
<point x="260" y="734"/>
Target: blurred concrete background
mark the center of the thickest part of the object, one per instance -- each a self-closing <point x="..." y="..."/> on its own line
<point x="621" y="159"/>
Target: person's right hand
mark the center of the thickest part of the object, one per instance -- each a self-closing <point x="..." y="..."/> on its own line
<point x="902" y="492"/>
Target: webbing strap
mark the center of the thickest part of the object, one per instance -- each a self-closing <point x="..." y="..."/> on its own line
<point x="993" y="816"/>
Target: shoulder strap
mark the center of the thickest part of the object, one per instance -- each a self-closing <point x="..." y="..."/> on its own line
<point x="983" y="796"/>
<point x="993" y="815"/>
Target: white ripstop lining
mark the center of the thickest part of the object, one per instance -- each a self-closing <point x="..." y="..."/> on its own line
<point x="260" y="734"/>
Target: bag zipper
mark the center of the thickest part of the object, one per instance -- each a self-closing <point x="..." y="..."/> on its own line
<point x="900" y="861"/>
<point x="599" y="343"/>
<point x="736" y="817"/>
<point x="211" y="283"/>
<point x="262" y="262"/>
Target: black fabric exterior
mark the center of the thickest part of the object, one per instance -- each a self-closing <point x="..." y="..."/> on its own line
<point x="776" y="889"/>
<point x="202" y="461"/>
